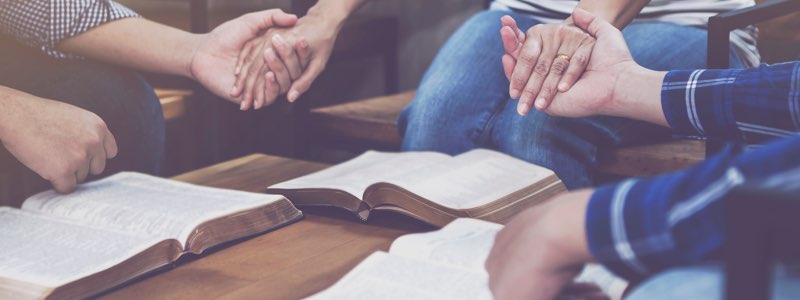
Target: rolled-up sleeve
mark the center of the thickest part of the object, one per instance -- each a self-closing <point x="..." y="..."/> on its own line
<point x="43" y="24"/>
<point x="741" y="105"/>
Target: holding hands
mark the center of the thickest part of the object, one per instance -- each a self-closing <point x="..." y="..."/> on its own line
<point x="214" y="61"/>
<point x="283" y="61"/>
<point x="546" y="60"/>
<point x="570" y="71"/>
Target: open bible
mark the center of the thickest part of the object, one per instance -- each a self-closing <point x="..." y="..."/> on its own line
<point x="444" y="264"/>
<point x="433" y="187"/>
<point x="113" y="230"/>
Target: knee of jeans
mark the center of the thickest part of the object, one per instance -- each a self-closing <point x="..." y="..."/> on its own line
<point x="665" y="46"/>
<point x="418" y="130"/>
<point x="551" y="143"/>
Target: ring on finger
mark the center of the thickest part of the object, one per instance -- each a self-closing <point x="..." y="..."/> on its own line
<point x="563" y="56"/>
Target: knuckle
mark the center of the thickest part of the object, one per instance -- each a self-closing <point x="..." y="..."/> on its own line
<point x="546" y="92"/>
<point x="559" y="67"/>
<point x="518" y="81"/>
<point x="527" y="58"/>
<point x="581" y="59"/>
<point x="542" y="68"/>
<point x="529" y="92"/>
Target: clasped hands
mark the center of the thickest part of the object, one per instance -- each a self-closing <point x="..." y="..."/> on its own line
<point x="282" y="61"/>
<point x="570" y="69"/>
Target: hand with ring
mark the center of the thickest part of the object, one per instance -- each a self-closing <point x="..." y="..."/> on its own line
<point x="548" y="59"/>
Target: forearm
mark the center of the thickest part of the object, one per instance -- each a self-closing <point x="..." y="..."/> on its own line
<point x="14" y="105"/>
<point x="137" y="43"/>
<point x="637" y="95"/>
<point x="335" y="12"/>
<point x="640" y="227"/>
<point x="617" y="12"/>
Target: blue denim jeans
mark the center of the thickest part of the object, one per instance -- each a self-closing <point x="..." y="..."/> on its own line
<point x="120" y="97"/>
<point x="708" y="282"/>
<point x="463" y="102"/>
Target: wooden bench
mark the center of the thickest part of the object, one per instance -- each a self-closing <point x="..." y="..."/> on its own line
<point x="372" y="122"/>
<point x="174" y="102"/>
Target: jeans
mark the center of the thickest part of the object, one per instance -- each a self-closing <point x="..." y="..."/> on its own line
<point x="120" y="97"/>
<point x="708" y="282"/>
<point x="462" y="102"/>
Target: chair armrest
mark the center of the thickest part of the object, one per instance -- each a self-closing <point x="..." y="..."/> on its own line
<point x="720" y="26"/>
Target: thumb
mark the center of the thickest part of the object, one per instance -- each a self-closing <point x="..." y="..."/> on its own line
<point x="265" y="19"/>
<point x="592" y="24"/>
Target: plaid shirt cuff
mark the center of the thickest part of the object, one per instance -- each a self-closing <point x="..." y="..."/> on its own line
<point x="698" y="102"/>
<point x="751" y="106"/>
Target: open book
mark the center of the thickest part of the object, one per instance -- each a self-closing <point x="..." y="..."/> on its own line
<point x="444" y="264"/>
<point x="433" y="187"/>
<point x="113" y="230"/>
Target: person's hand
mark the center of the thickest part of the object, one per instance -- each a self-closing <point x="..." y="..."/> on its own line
<point x="267" y="67"/>
<point x="60" y="142"/>
<point x="538" y="254"/>
<point x="214" y="61"/>
<point x="546" y="60"/>
<point x="313" y="37"/>
<point x="598" y="89"/>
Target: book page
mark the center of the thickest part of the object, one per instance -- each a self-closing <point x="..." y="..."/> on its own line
<point x="146" y="204"/>
<point x="355" y="175"/>
<point x="463" y="242"/>
<point x="50" y="252"/>
<point x="467" y="242"/>
<point x="471" y="179"/>
<point x="393" y="277"/>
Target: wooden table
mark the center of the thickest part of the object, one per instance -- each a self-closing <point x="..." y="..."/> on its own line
<point x="293" y="262"/>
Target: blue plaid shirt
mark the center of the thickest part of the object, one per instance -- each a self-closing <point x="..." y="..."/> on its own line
<point x="642" y="226"/>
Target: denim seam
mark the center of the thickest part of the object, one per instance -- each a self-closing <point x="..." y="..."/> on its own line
<point x="480" y="132"/>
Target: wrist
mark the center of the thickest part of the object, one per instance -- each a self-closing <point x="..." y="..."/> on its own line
<point x="565" y="223"/>
<point x="185" y="59"/>
<point x="637" y="95"/>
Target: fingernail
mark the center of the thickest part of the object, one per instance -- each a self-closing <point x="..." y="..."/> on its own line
<point x="293" y="94"/>
<point x="237" y="70"/>
<point x="242" y="106"/>
<point x="523" y="109"/>
<point x="514" y="93"/>
<point x="233" y="91"/>
<point x="540" y="103"/>
<point x="270" y="53"/>
<point x="562" y="87"/>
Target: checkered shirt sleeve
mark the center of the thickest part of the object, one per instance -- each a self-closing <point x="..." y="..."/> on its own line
<point x="43" y="24"/>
